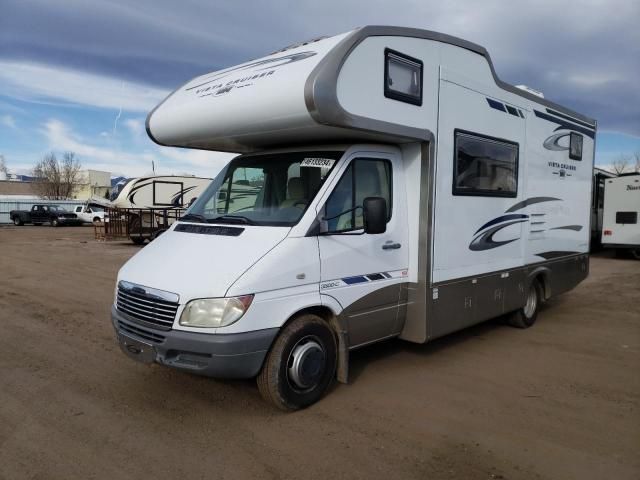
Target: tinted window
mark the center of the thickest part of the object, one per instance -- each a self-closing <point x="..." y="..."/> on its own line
<point x="363" y="178"/>
<point x="627" y="217"/>
<point x="403" y="77"/>
<point x="575" y="146"/>
<point x="485" y="166"/>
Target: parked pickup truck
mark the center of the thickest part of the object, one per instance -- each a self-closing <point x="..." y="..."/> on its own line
<point x="39" y="214"/>
<point x="89" y="213"/>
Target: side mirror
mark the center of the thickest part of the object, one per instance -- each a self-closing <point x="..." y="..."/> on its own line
<point x="375" y="215"/>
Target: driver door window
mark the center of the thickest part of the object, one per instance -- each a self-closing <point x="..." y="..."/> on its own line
<point x="365" y="177"/>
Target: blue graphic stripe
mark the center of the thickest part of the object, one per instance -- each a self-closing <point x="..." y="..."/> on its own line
<point x="353" y="280"/>
<point x="504" y="108"/>
<point x="501" y="219"/>
<point x="496" y="105"/>
<point x="371" y="277"/>
<point x="564" y="124"/>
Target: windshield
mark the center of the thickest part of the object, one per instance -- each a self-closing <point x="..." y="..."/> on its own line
<point x="272" y="189"/>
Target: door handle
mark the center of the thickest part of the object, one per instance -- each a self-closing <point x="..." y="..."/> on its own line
<point x="391" y="246"/>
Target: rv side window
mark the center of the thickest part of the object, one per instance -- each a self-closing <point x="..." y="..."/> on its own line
<point x="402" y="77"/>
<point x="575" y="146"/>
<point x="365" y="177"/>
<point x="484" y="166"/>
<point x="627" y="217"/>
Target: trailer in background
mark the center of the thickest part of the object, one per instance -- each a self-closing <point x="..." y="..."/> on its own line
<point x="147" y="206"/>
<point x="620" y="227"/>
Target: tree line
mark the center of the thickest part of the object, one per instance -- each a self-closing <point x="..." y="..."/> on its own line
<point x="54" y="178"/>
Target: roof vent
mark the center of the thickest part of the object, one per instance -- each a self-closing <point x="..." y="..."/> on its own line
<point x="530" y="90"/>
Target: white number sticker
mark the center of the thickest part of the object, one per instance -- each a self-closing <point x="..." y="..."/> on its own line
<point x="318" y="162"/>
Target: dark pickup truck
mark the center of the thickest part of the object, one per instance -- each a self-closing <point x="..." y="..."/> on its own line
<point x="39" y="214"/>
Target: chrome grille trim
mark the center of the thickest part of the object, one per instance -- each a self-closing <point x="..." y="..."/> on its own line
<point x="151" y="307"/>
<point x="141" y="332"/>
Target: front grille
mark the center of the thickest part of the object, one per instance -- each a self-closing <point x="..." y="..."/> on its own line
<point x="141" y="332"/>
<point x="145" y="307"/>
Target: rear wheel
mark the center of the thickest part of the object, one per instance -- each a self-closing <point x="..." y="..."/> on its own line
<point x="17" y="222"/>
<point x="526" y="316"/>
<point x="635" y="253"/>
<point x="301" y="364"/>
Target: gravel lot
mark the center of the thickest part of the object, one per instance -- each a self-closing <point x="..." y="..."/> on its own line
<point x="558" y="401"/>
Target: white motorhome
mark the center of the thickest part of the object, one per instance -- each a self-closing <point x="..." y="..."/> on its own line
<point x="160" y="192"/>
<point x="400" y="189"/>
<point x="620" y="227"/>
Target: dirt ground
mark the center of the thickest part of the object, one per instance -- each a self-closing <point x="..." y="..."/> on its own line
<point x="558" y="401"/>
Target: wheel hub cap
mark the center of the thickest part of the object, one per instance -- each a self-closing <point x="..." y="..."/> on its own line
<point x="532" y="303"/>
<point x="306" y="364"/>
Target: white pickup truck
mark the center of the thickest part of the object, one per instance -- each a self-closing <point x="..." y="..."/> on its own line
<point x="89" y="213"/>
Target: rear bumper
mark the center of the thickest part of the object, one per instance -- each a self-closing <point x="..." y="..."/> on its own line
<point x="629" y="246"/>
<point x="236" y="355"/>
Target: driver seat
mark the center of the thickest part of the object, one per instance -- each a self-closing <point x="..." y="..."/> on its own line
<point x="295" y="194"/>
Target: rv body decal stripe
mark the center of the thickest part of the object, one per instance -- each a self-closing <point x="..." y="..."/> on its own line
<point x="531" y="201"/>
<point x="564" y="124"/>
<point x="358" y="279"/>
<point x="496" y="105"/>
<point x="555" y="254"/>
<point x="502" y="219"/>
<point x="575" y="228"/>
<point x="567" y="117"/>
<point x="504" y="108"/>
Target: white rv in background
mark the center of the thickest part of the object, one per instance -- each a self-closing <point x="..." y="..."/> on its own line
<point x="395" y="188"/>
<point x="160" y="192"/>
<point x="620" y="226"/>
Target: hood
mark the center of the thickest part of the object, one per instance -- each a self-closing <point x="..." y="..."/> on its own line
<point x="200" y="261"/>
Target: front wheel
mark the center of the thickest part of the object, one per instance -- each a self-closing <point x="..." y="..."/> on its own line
<point x="301" y="364"/>
<point x="54" y="222"/>
<point x="526" y="316"/>
<point x="97" y="220"/>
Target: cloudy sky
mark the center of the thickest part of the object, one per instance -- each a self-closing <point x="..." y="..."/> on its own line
<point x="81" y="75"/>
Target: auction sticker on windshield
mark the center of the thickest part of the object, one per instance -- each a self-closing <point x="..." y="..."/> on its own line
<point x="317" y="162"/>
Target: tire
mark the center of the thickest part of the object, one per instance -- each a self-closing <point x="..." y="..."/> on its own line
<point x="635" y="253"/>
<point x="526" y="316"/>
<point x="301" y="364"/>
<point x="97" y="220"/>
<point x="138" y="240"/>
<point x="17" y="222"/>
<point x="54" y="222"/>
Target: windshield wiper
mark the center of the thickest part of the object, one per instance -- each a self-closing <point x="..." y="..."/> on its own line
<point x="231" y="219"/>
<point x="193" y="217"/>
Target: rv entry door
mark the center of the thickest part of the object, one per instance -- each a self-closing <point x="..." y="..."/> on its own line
<point x="365" y="272"/>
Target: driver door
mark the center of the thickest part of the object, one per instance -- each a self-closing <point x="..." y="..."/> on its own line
<point x="365" y="272"/>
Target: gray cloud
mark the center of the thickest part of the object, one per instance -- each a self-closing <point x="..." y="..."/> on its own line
<point x="583" y="54"/>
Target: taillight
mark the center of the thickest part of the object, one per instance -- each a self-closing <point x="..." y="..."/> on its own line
<point x="608" y="232"/>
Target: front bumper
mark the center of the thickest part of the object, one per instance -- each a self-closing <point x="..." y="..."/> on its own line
<point x="234" y="355"/>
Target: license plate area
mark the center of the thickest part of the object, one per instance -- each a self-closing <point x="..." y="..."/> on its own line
<point x="137" y="350"/>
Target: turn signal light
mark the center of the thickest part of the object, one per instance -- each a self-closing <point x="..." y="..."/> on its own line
<point x="608" y="232"/>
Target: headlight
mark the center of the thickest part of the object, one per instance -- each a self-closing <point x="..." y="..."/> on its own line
<point x="214" y="312"/>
